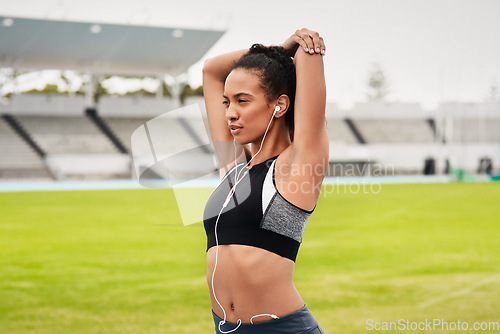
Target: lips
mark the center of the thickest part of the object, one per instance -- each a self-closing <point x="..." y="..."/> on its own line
<point x="235" y="129"/>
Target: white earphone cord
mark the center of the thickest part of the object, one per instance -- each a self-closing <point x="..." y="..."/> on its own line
<point x="228" y="198"/>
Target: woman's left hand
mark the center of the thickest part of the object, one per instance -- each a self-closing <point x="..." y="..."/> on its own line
<point x="309" y="40"/>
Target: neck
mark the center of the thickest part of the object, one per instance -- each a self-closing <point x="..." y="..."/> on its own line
<point x="276" y="141"/>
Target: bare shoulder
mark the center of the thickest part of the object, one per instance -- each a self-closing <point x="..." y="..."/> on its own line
<point x="299" y="173"/>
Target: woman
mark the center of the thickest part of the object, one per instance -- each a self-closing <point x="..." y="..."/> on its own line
<point x="271" y="111"/>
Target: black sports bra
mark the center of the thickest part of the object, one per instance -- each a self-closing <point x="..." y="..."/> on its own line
<point x="257" y="214"/>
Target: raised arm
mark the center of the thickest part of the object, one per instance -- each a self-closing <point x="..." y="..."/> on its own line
<point x="310" y="143"/>
<point x="215" y="71"/>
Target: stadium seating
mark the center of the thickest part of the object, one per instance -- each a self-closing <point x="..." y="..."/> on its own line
<point x="395" y="130"/>
<point x="338" y="131"/>
<point x="18" y="160"/>
<point x="169" y="139"/>
<point x="471" y="122"/>
<point x="396" y="135"/>
<point x="61" y="134"/>
<point x="476" y="130"/>
<point x="124" y="127"/>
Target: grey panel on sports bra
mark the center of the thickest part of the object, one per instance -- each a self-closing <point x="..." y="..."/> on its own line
<point x="279" y="215"/>
<point x="283" y="218"/>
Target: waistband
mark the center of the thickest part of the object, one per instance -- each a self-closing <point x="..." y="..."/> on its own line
<point x="291" y="323"/>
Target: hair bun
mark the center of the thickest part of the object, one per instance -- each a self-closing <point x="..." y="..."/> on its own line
<point x="274" y="52"/>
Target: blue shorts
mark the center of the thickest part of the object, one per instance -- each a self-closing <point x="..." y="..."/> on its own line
<point x="299" y="322"/>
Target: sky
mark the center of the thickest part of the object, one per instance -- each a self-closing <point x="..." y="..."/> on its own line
<point x="431" y="51"/>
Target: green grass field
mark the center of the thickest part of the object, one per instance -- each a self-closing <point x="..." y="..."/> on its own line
<point x="122" y="262"/>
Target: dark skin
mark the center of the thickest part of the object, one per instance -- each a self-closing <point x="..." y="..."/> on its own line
<point x="250" y="280"/>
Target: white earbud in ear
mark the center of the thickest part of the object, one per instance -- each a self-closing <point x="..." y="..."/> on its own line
<point x="276" y="109"/>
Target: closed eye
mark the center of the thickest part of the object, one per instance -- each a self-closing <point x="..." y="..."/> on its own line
<point x="226" y="102"/>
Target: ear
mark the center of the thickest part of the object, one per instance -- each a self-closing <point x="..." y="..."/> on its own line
<point x="283" y="102"/>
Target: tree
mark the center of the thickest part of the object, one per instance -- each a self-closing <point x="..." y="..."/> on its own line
<point x="100" y="90"/>
<point x="188" y="91"/>
<point x="493" y="95"/>
<point x="377" y="84"/>
<point x="48" y="89"/>
<point x="166" y="89"/>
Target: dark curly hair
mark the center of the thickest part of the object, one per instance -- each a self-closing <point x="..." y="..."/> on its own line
<point x="277" y="74"/>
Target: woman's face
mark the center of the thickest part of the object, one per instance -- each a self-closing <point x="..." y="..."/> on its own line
<point x="246" y="106"/>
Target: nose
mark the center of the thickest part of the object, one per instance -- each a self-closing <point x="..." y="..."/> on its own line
<point x="231" y="114"/>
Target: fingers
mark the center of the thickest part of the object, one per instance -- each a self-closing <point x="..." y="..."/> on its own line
<point x="305" y="40"/>
<point x="322" y="46"/>
<point x="310" y="41"/>
<point x="317" y="42"/>
<point x="303" y="43"/>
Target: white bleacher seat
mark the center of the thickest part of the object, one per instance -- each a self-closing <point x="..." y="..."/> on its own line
<point x="17" y="158"/>
<point x="61" y="134"/>
<point x="376" y="131"/>
<point x="338" y="131"/>
<point x="124" y="127"/>
<point x="168" y="135"/>
<point x="476" y="130"/>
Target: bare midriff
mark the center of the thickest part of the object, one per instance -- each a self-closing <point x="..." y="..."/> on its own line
<point x="250" y="281"/>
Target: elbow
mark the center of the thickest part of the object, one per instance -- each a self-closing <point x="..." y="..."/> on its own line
<point x="207" y="66"/>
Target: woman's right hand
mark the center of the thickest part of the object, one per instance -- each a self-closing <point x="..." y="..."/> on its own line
<point x="309" y="40"/>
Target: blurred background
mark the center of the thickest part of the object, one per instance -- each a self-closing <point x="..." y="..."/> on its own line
<point x="412" y="86"/>
<point x="413" y="98"/>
